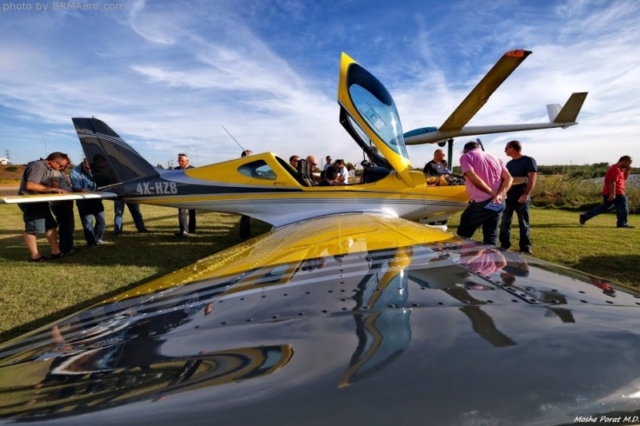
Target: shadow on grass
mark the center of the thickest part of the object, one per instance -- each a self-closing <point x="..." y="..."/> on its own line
<point x="78" y="226"/>
<point x="621" y="268"/>
<point x="159" y="248"/>
<point x="565" y="225"/>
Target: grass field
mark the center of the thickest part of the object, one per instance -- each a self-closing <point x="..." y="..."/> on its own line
<point x="32" y="295"/>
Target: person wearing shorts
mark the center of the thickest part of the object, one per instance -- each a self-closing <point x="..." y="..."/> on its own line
<point x="37" y="216"/>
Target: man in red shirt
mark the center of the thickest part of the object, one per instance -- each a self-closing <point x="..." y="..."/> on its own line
<point x="613" y="193"/>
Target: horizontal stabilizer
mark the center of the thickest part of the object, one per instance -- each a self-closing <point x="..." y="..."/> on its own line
<point x="40" y="198"/>
<point x="553" y="110"/>
<point x="570" y="110"/>
<point x="484" y="89"/>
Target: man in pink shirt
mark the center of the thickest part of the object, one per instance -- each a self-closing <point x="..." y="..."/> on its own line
<point x="487" y="181"/>
<point x="613" y="193"/>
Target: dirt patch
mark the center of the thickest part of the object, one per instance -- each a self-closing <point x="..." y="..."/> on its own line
<point x="11" y="173"/>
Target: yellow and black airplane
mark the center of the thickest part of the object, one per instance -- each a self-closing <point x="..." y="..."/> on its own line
<point x="266" y="187"/>
<point x="352" y="318"/>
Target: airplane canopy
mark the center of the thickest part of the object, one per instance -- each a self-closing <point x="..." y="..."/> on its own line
<point x="372" y="114"/>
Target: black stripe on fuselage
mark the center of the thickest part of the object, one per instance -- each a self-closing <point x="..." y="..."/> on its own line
<point x="153" y="187"/>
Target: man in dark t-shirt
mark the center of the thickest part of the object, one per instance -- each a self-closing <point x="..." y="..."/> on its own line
<point x="524" y="171"/>
<point x="186" y="227"/>
<point x="437" y="166"/>
<point x="330" y="177"/>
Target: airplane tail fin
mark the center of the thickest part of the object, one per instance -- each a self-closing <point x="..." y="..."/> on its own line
<point x="112" y="159"/>
<point x="569" y="112"/>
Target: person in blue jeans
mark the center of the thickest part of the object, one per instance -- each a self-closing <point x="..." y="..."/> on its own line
<point x="613" y="193"/>
<point x="63" y="212"/>
<point x="525" y="172"/>
<point x="82" y="181"/>
<point x="134" y="209"/>
<point x="186" y="227"/>
<point x="486" y="180"/>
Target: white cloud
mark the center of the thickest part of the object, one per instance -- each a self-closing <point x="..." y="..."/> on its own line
<point x="167" y="76"/>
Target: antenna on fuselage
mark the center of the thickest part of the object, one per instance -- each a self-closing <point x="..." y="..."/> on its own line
<point x="234" y="139"/>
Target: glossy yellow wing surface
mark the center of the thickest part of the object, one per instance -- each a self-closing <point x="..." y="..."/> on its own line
<point x="297" y="243"/>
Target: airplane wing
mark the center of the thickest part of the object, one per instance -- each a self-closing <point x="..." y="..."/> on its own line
<point x="480" y="94"/>
<point x="39" y="198"/>
<point x="343" y="319"/>
<point x="455" y="124"/>
<point x="560" y="117"/>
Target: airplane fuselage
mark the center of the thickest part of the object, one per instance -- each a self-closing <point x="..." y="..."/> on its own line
<point x="262" y="187"/>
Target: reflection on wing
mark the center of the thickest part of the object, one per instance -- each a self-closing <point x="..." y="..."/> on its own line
<point x="384" y="333"/>
<point x="107" y="377"/>
<point x="317" y="319"/>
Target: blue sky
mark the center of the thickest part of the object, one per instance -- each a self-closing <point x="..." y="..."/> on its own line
<point x="166" y="75"/>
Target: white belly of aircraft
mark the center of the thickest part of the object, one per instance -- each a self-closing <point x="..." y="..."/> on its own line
<point x="281" y="211"/>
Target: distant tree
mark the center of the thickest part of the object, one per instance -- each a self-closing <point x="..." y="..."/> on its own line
<point x="159" y="166"/>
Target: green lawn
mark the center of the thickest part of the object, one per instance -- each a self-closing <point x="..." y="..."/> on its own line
<point x="33" y="295"/>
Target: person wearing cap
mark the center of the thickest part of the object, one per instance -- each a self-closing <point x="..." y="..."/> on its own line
<point x="487" y="181"/>
<point x="328" y="163"/>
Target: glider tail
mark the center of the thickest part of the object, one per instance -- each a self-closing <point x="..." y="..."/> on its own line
<point x="569" y="112"/>
<point x="112" y="159"/>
